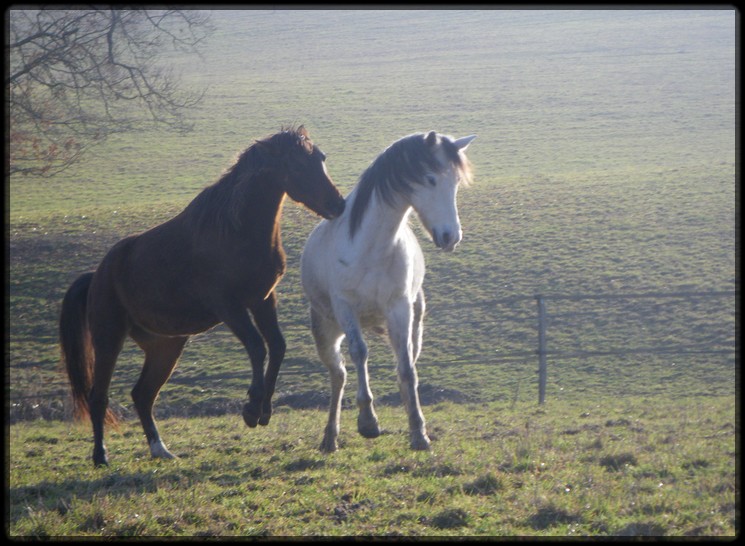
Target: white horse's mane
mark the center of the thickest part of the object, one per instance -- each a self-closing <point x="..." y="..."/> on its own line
<point x="403" y="163"/>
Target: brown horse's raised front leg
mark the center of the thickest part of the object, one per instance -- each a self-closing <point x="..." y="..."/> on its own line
<point x="265" y="316"/>
<point x="239" y="322"/>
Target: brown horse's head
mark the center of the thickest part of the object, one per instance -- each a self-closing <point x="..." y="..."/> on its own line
<point x="301" y="171"/>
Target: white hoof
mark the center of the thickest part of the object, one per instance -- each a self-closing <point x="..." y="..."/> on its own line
<point x="159" y="451"/>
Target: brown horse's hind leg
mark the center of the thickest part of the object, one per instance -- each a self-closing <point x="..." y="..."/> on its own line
<point x="107" y="333"/>
<point x="265" y="316"/>
<point x="161" y="355"/>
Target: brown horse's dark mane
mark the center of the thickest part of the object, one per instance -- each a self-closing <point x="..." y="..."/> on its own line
<point x="220" y="204"/>
<point x="403" y="163"/>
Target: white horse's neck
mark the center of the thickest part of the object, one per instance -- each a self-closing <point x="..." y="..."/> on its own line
<point x="381" y="222"/>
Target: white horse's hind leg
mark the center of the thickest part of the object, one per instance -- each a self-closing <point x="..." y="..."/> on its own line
<point x="328" y="341"/>
<point x="367" y="420"/>
<point x="401" y="331"/>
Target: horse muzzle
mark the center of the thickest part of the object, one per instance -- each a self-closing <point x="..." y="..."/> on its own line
<point x="446" y="239"/>
<point x="333" y="208"/>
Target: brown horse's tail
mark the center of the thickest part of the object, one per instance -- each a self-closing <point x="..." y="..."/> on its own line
<point x="77" y="349"/>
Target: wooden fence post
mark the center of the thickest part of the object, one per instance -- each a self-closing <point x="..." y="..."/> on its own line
<point x="541" y="348"/>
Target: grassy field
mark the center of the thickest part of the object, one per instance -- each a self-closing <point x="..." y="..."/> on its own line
<point x="630" y="467"/>
<point x="605" y="164"/>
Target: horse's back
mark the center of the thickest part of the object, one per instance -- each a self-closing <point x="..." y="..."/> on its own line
<point x="151" y="277"/>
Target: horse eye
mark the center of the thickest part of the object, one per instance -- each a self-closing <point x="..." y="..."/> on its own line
<point x="431" y="179"/>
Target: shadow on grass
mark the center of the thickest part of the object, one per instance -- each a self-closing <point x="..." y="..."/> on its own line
<point x="59" y="496"/>
<point x="428" y="395"/>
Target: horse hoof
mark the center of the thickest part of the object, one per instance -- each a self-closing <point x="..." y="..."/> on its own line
<point x="158" y="450"/>
<point x="367" y="425"/>
<point x="420" y="444"/>
<point x="329" y="445"/>
<point x="167" y="455"/>
<point x="250" y="417"/>
<point x="266" y="412"/>
<point x="370" y="431"/>
<point x="328" y="448"/>
<point x="100" y="458"/>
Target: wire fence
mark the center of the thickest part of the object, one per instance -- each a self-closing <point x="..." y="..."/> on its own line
<point x="675" y="349"/>
<point x="517" y="332"/>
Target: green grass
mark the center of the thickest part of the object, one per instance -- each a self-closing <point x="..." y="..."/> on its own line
<point x="638" y="466"/>
<point x="604" y="164"/>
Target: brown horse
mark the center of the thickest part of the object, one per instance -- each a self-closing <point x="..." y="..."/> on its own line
<point x="219" y="258"/>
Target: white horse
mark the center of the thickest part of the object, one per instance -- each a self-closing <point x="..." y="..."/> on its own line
<point x="365" y="269"/>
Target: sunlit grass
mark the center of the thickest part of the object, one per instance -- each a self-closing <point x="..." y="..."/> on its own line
<point x="651" y="466"/>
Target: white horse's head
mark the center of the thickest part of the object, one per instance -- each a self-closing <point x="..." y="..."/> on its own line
<point x="434" y="198"/>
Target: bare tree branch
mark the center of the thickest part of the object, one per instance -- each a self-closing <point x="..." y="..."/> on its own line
<point x="78" y="76"/>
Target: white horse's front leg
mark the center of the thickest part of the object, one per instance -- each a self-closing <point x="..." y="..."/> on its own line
<point x="417" y="326"/>
<point x="400" y="330"/>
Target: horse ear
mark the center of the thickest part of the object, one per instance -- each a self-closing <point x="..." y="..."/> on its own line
<point x="302" y="131"/>
<point x="431" y="138"/>
<point x="463" y="142"/>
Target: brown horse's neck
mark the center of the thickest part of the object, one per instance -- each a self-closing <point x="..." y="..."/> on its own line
<point x="260" y="211"/>
<point x="245" y="208"/>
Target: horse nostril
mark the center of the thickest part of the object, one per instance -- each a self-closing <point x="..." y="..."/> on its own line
<point x="442" y="239"/>
<point x="445" y="240"/>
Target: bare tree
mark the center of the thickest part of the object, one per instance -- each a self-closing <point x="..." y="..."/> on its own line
<point x="77" y="76"/>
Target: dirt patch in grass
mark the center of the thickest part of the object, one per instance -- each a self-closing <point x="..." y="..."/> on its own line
<point x="450" y="519"/>
<point x="549" y="516"/>
<point x="618" y="461"/>
<point x="643" y="529"/>
<point x="485" y="485"/>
